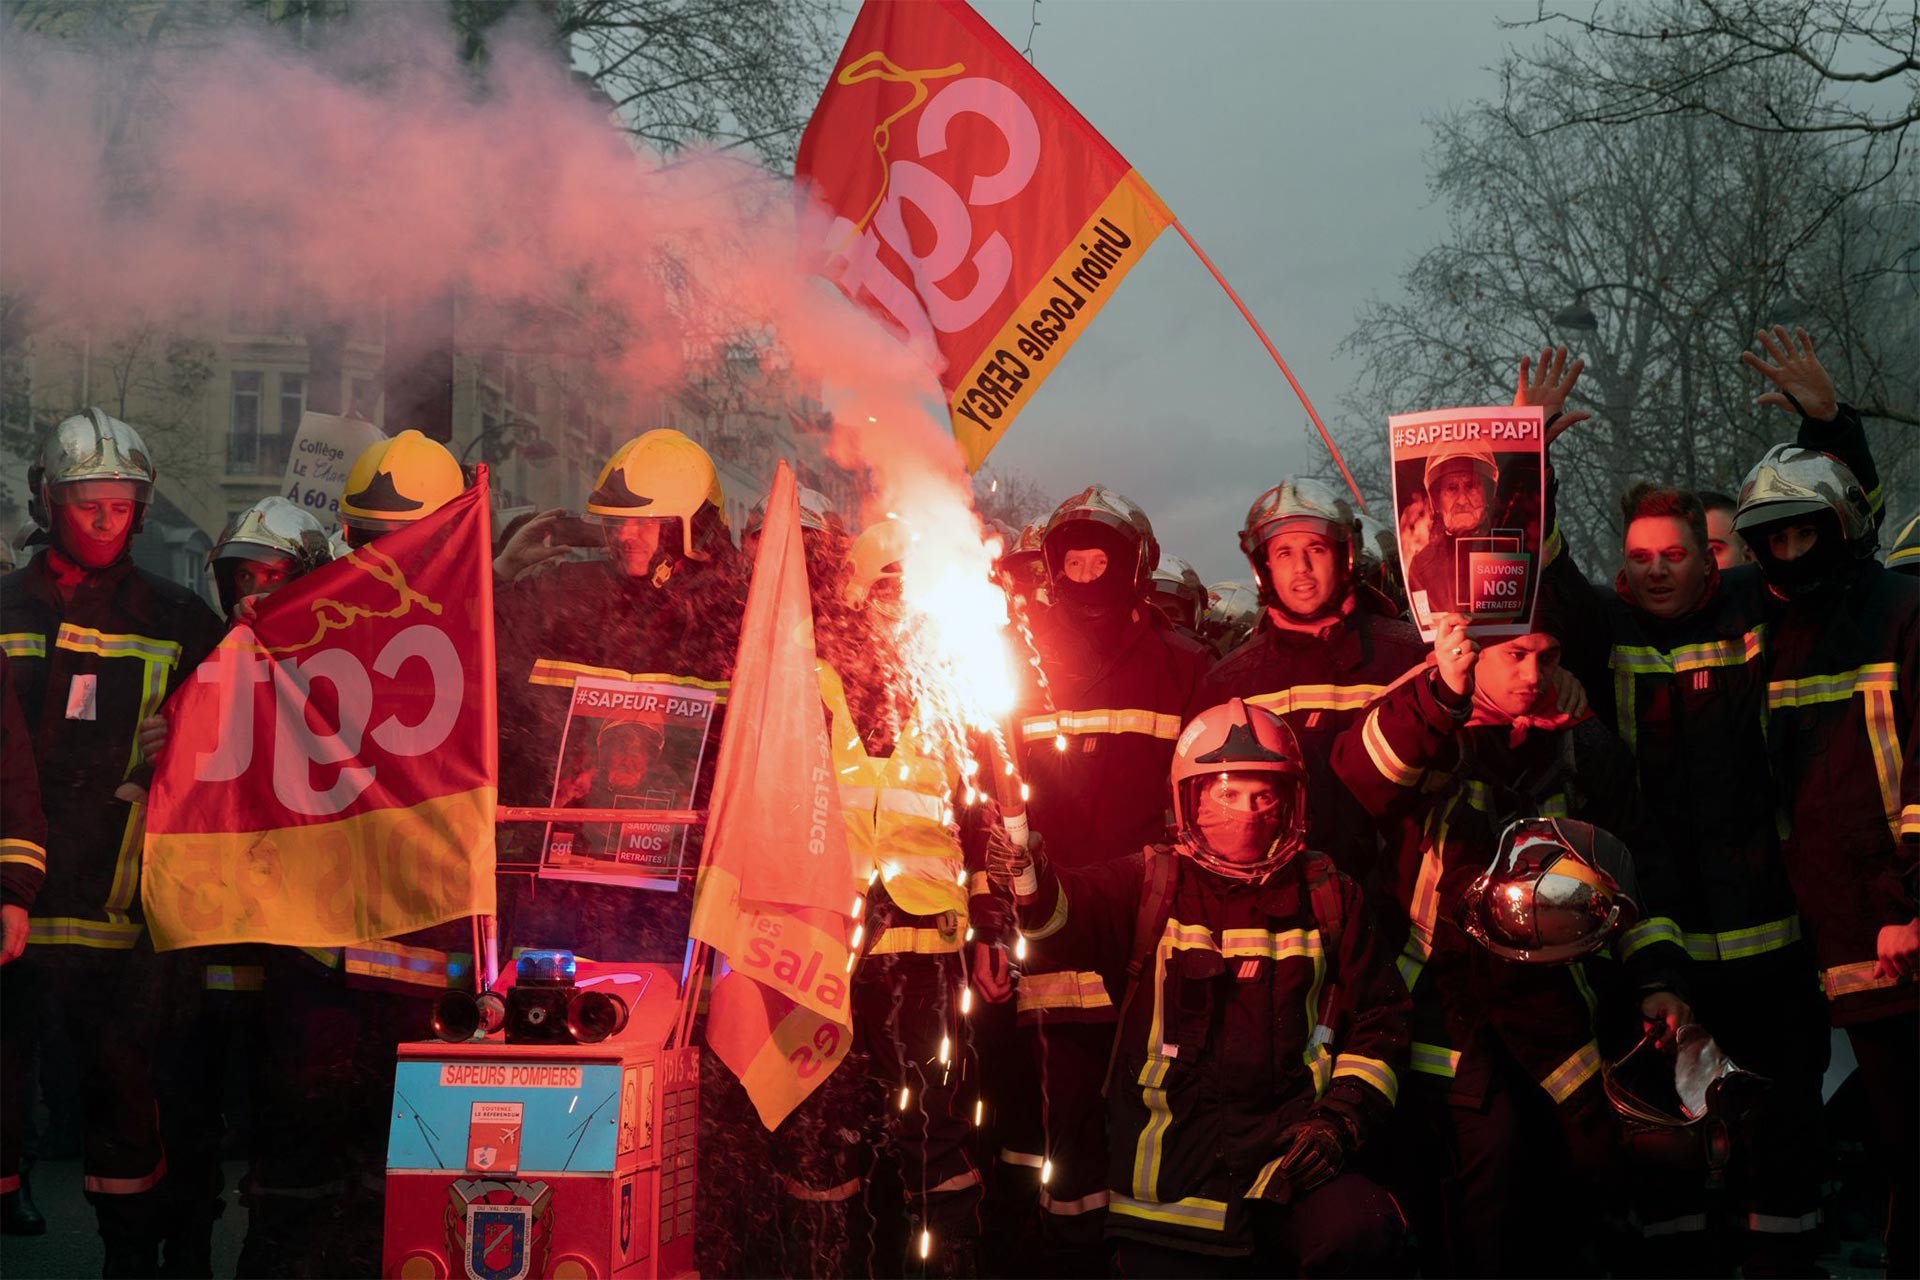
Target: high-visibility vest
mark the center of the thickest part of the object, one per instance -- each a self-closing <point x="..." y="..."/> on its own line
<point x="898" y="811"/>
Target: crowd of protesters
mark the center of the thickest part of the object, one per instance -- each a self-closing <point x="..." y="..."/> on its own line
<point x="1320" y="950"/>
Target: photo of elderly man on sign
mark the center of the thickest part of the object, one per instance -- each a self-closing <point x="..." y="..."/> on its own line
<point x="1475" y="475"/>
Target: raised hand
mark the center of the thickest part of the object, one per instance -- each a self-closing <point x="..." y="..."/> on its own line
<point x="1548" y="385"/>
<point x="1803" y="386"/>
<point x="1453" y="653"/>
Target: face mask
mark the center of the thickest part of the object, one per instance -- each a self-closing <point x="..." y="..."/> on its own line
<point x="1237" y="834"/>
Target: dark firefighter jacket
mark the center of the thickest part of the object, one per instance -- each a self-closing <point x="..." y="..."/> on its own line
<point x="1842" y="698"/>
<point x="1450" y="787"/>
<point x="1319" y="683"/>
<point x="580" y="620"/>
<point x="1095" y="748"/>
<point x="23" y="825"/>
<point x="1250" y="1017"/>
<point x="86" y="674"/>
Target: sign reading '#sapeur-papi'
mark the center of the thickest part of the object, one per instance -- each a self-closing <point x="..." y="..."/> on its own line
<point x="957" y="195"/>
<point x="1468" y="495"/>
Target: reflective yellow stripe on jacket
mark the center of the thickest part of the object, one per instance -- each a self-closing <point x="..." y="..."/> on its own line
<point x="1067" y="989"/>
<point x="23" y="853"/>
<point x="23" y="644"/>
<point x="1741" y="944"/>
<point x="422" y="966"/>
<point x="1088" y="720"/>
<point x="1318" y="697"/>
<point x="1876" y="683"/>
<point x="1628" y="661"/>
<point x="1852" y="979"/>
<point x="1565" y="1080"/>
<point x="563" y="675"/>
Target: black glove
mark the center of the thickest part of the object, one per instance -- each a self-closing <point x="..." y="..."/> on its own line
<point x="1311" y="1152"/>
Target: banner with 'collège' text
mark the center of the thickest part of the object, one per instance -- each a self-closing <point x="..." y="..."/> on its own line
<point x="330" y="771"/>
<point x="1023" y="221"/>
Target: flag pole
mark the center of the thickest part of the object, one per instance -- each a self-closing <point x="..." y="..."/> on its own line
<point x="1273" y="351"/>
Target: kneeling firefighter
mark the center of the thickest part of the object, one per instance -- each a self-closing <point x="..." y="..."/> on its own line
<point x="1263" y="1033"/>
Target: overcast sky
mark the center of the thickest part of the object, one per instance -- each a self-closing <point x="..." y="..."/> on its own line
<point x="1288" y="138"/>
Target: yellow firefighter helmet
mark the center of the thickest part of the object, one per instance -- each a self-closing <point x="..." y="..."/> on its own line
<point x="398" y="481"/>
<point x="661" y="475"/>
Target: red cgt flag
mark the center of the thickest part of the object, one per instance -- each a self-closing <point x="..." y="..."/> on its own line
<point x="1024" y="219"/>
<point x="330" y="775"/>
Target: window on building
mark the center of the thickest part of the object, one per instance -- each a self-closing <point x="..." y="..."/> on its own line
<point x="366" y="399"/>
<point x="243" y="436"/>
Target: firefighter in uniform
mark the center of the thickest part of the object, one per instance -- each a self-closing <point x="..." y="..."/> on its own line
<point x="1506" y="1056"/>
<point x="1675" y="654"/>
<point x="661" y="604"/>
<point x="1842" y="697"/>
<point x="1177" y="592"/>
<point x="323" y="1207"/>
<point x="1263" y="1032"/>
<point x="909" y="1068"/>
<point x="1098" y="721"/>
<point x="96" y="645"/>
<point x="1232" y="612"/>
<point x="23" y="866"/>
<point x="1327" y="645"/>
<point x="259" y="551"/>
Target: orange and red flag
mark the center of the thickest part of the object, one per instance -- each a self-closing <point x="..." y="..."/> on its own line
<point x="776" y="882"/>
<point x="330" y="773"/>
<point x="1023" y="219"/>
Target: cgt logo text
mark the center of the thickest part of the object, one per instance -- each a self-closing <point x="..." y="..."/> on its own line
<point x="421" y="657"/>
<point x="953" y="281"/>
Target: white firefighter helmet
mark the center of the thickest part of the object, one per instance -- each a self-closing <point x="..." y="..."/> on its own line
<point x="1788" y="483"/>
<point x="1176" y="590"/>
<point x="1098" y="507"/>
<point x="1297" y="504"/>
<point x="1238" y="741"/>
<point x="1556" y="890"/>
<point x="84" y="449"/>
<point x="1232" y="612"/>
<point x="817" y="515"/>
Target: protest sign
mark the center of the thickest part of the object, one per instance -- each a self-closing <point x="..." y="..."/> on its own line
<point x="323" y="454"/>
<point x="626" y="745"/>
<point x="1469" y="488"/>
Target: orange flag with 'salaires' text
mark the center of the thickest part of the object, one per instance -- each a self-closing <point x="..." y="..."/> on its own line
<point x="776" y="883"/>
<point x="1023" y="222"/>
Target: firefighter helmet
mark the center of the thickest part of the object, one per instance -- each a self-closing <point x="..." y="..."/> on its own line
<point x="1790" y="482"/>
<point x="1905" y="555"/>
<point x="1475" y="454"/>
<point x="1296" y="504"/>
<point x="1377" y="561"/>
<point x="817" y="515"/>
<point x="1098" y="507"/>
<point x="1176" y="590"/>
<point x="661" y="475"/>
<point x="874" y="559"/>
<point x="1556" y="890"/>
<point x="1651" y="1088"/>
<point x="398" y="481"/>
<point x="87" y="448"/>
<point x="1233" y="740"/>
<point x="272" y="528"/>
<point x="1232" y="612"/>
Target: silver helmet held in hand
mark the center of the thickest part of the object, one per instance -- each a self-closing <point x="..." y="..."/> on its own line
<point x="1556" y="890"/>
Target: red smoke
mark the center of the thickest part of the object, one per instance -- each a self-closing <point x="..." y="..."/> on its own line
<point x="379" y="170"/>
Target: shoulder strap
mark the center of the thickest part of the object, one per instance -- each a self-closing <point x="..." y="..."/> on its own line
<point x="1323" y="893"/>
<point x="1158" y="878"/>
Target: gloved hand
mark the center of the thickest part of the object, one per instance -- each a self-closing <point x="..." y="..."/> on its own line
<point x="1012" y="866"/>
<point x="1311" y="1152"/>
